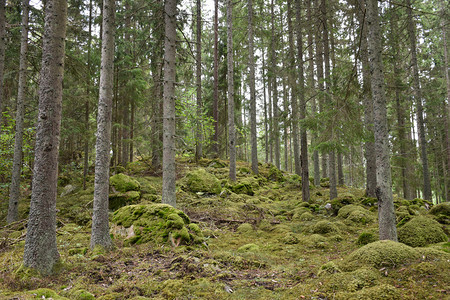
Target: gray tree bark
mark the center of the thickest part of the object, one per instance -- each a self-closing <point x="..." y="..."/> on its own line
<point x="168" y="189"/>
<point x="274" y="85"/>
<point x="216" y="80"/>
<point x="446" y="106"/>
<point x="40" y="251"/>
<point x="386" y="213"/>
<point x="301" y="92"/>
<point x="2" y="55"/>
<point x="251" y="63"/>
<point x="230" y="72"/>
<point x="293" y="85"/>
<point x="369" y="146"/>
<point x="418" y="98"/>
<point x="199" y="135"/>
<point x="100" y="224"/>
<point x="14" y="190"/>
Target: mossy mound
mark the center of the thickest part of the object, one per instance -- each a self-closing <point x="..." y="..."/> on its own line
<point x="248" y="248"/>
<point x="441" y="212"/>
<point x="382" y="253"/>
<point x="366" y="238"/>
<point x="324" y="227"/>
<point x="200" y="181"/>
<point x="155" y="222"/>
<point x="378" y="292"/>
<point x="361" y="217"/>
<point x="341" y="201"/>
<point x="246" y="185"/>
<point x="44" y="293"/>
<point x="421" y="231"/>
<point x="275" y="174"/>
<point x="117" y="200"/>
<point x="336" y="280"/>
<point x="123" y="183"/>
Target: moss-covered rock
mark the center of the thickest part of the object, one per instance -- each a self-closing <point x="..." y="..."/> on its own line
<point x="441" y="212"/>
<point x="329" y="268"/>
<point x="346" y="210"/>
<point x="324" y="227"/>
<point x="44" y="293"/>
<point x="366" y="238"/>
<point x="421" y="231"/>
<point x="275" y="174"/>
<point x="290" y="238"/>
<point x="117" y="200"/>
<point x="335" y="280"/>
<point x="246" y="185"/>
<point x="361" y="217"/>
<point x="154" y="222"/>
<point x="341" y="201"/>
<point x="201" y="181"/>
<point x="378" y="292"/>
<point x="81" y="295"/>
<point x="248" y="248"/>
<point x="382" y="253"/>
<point x="123" y="183"/>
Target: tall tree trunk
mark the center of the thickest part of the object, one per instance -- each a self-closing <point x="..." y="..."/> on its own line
<point x="2" y="56"/>
<point x="86" y="104"/>
<point x="386" y="213"/>
<point x="40" y="251"/>
<point x="231" y="128"/>
<point x="100" y="224"/>
<point x="274" y="85"/>
<point x="266" y="120"/>
<point x="14" y="190"/>
<point x="326" y="55"/>
<point x="251" y="63"/>
<point x="446" y="106"/>
<point x="168" y="189"/>
<point x="312" y="86"/>
<point x="294" y="92"/>
<point x="199" y="135"/>
<point x="301" y="92"/>
<point x="418" y="98"/>
<point x="369" y="146"/>
<point x="216" y="80"/>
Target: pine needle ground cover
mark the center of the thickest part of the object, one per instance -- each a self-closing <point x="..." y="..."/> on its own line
<point x="251" y="239"/>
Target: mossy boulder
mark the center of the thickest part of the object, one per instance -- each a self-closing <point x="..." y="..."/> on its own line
<point x="329" y="268"/>
<point x="245" y="185"/>
<point x="361" y="217"/>
<point x="44" y="293"/>
<point x="346" y="210"/>
<point x="366" y="238"/>
<point x="382" y="253"/>
<point x="81" y="295"/>
<point x="421" y="231"/>
<point x="248" y="248"/>
<point x="290" y="239"/>
<point x="124" y="183"/>
<point x="275" y="174"/>
<point x="201" y="181"/>
<point x="155" y="222"/>
<point x="335" y="280"/>
<point x="441" y="212"/>
<point x="341" y="201"/>
<point x="117" y="200"/>
<point x="378" y="292"/>
<point x="324" y="227"/>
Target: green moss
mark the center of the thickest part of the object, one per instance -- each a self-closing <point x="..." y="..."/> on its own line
<point x="378" y="292"/>
<point x="44" y="293"/>
<point x="290" y="238"/>
<point x="361" y="217"/>
<point x="341" y="201"/>
<point x="366" y="238"/>
<point x="174" y="221"/>
<point x="81" y="295"/>
<point x="118" y="200"/>
<point x="195" y="228"/>
<point x="275" y="174"/>
<point x="369" y="201"/>
<point x="306" y="216"/>
<point x="123" y="183"/>
<point x="182" y="234"/>
<point x="245" y="228"/>
<point x="324" y="227"/>
<point x="201" y="181"/>
<point x="421" y="231"/>
<point x="329" y="268"/>
<point x="248" y="248"/>
<point x="316" y="241"/>
<point x="382" y="253"/>
<point x="346" y="210"/>
<point x="441" y="209"/>
<point x="246" y="186"/>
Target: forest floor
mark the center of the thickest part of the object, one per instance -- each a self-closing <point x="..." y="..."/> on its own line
<point x="253" y="239"/>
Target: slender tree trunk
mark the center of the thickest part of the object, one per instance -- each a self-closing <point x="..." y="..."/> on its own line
<point x="303" y="137"/>
<point x="216" y="80"/>
<point x="266" y="120"/>
<point x="14" y="191"/>
<point x="326" y="54"/>
<point x="418" y="97"/>
<point x="446" y="106"/>
<point x="132" y="116"/>
<point x="100" y="224"/>
<point x="40" y="251"/>
<point x="386" y="213"/>
<point x="2" y="56"/>
<point x="168" y="191"/>
<point x="231" y="128"/>
<point x="251" y="63"/>
<point x="86" y="104"/>
<point x="274" y="62"/>
<point x="312" y="86"/>
<point x="369" y="146"/>
<point x="199" y="135"/>
<point x="294" y="89"/>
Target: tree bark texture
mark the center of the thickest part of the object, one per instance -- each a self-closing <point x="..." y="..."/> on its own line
<point x="14" y="190"/>
<point x="40" y="251"/>
<point x="168" y="189"/>
<point x="199" y="135"/>
<point x="386" y="213"/>
<point x="2" y="55"/>
<point x="274" y="73"/>
<point x="369" y="145"/>
<point x="230" y="72"/>
<point x="216" y="80"/>
<point x="418" y="98"/>
<point x="293" y="85"/>
<point x="251" y="63"/>
<point x="100" y="224"/>
<point x="446" y="106"/>
<point x="301" y="93"/>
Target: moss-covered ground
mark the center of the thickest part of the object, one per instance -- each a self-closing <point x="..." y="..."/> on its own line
<point x="252" y="239"/>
